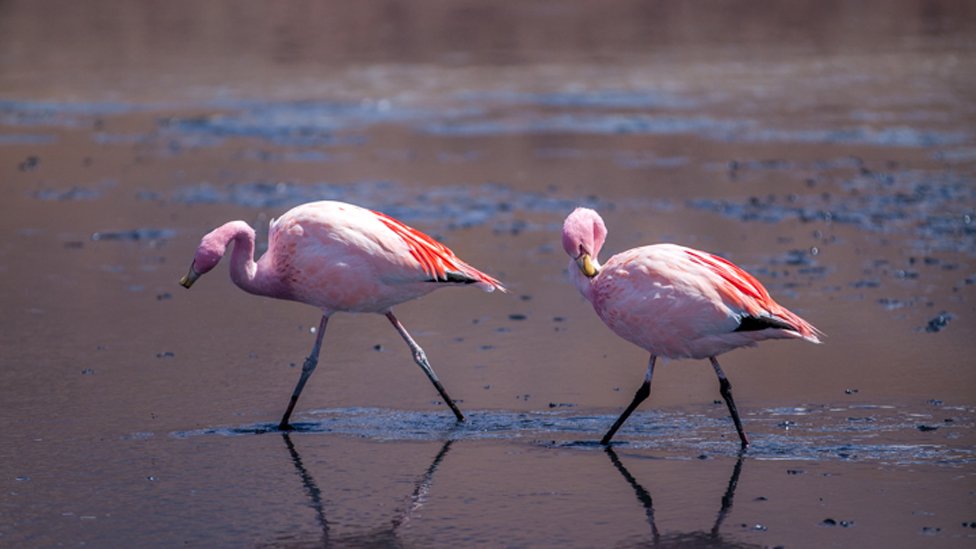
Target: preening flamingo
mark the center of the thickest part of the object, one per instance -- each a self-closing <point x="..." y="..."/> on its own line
<point x="340" y="257"/>
<point x="675" y="302"/>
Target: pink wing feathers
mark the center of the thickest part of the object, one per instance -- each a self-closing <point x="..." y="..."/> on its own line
<point x="745" y="292"/>
<point x="436" y="259"/>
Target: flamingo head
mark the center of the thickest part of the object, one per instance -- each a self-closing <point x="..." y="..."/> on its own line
<point x="209" y="252"/>
<point x="583" y="235"/>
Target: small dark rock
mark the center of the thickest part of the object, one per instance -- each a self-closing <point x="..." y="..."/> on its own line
<point x="517" y="316"/>
<point x="939" y="323"/>
<point x="29" y="164"/>
<point x="165" y="354"/>
<point x="378" y="347"/>
<point x="926" y="428"/>
<point x="795" y="471"/>
<point x="88" y="372"/>
<point x="828" y="522"/>
<point x="891" y="304"/>
<point x="850" y="391"/>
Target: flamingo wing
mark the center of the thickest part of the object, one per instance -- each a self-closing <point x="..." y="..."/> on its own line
<point x="742" y="291"/>
<point x="436" y="259"/>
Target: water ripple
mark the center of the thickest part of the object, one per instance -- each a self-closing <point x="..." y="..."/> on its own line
<point x="809" y="434"/>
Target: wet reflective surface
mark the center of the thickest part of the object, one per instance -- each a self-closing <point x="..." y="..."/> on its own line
<point x="831" y="152"/>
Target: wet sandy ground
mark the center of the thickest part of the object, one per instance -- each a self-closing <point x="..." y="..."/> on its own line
<point x="829" y="151"/>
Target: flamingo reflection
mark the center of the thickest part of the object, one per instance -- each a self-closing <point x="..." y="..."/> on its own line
<point x="381" y="537"/>
<point x="701" y="538"/>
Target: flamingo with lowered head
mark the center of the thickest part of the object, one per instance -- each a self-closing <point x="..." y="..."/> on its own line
<point x="340" y="258"/>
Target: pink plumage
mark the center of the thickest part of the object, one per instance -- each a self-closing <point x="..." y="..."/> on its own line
<point x="675" y="302"/>
<point x="340" y="258"/>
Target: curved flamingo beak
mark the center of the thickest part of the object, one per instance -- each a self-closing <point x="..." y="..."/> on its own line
<point x="189" y="278"/>
<point x="586" y="264"/>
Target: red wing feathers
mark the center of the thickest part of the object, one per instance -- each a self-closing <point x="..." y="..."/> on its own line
<point x="743" y="290"/>
<point x="739" y="283"/>
<point x="435" y="258"/>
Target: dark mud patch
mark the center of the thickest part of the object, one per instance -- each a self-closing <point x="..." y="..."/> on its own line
<point x="69" y="194"/>
<point x="451" y="206"/>
<point x="302" y="123"/>
<point x="932" y="211"/>
<point x="134" y="235"/>
<point x="599" y="112"/>
<point x="62" y="114"/>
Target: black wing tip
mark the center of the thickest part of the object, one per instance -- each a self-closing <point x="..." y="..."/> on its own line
<point x="452" y="277"/>
<point x="757" y="323"/>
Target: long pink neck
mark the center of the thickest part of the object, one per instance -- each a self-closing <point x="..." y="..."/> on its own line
<point x="244" y="271"/>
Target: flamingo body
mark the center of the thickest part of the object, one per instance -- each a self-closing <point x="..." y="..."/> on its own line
<point x="675" y="302"/>
<point x="340" y="258"/>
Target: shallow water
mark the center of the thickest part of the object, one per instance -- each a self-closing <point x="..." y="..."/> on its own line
<point x="830" y="152"/>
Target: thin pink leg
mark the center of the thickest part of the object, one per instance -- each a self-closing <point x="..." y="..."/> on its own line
<point x="307" y="368"/>
<point x="420" y="357"/>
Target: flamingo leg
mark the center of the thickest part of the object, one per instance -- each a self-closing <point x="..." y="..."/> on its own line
<point x="726" y="389"/>
<point x="420" y="357"/>
<point x="307" y="368"/>
<point x="642" y="393"/>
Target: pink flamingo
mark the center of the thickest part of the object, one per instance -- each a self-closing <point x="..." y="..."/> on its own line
<point x="340" y="257"/>
<point x="675" y="302"/>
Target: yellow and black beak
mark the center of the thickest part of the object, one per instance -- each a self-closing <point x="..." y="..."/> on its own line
<point x="587" y="265"/>
<point x="189" y="278"/>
